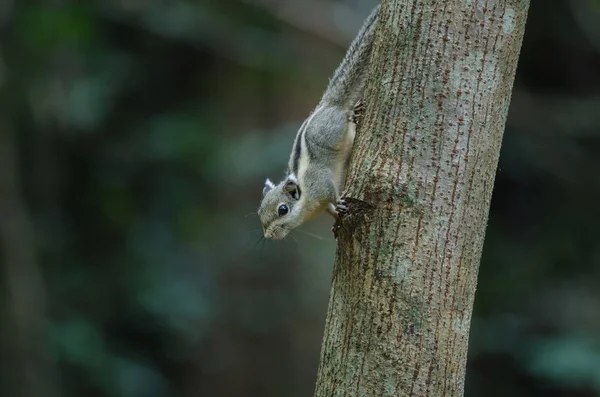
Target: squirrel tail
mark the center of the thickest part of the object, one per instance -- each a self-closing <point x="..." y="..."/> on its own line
<point x="347" y="84"/>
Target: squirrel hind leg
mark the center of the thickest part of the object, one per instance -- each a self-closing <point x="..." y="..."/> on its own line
<point x="358" y="111"/>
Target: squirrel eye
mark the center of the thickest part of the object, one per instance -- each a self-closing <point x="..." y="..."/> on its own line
<point x="282" y="210"/>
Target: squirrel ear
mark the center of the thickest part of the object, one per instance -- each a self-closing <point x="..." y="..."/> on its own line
<point x="268" y="186"/>
<point x="291" y="186"/>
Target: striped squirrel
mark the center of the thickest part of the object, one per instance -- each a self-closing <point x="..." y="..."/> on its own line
<point x="321" y="150"/>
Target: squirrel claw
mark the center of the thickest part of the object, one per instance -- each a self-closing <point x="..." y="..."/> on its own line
<point x="357" y="112"/>
<point x="341" y="207"/>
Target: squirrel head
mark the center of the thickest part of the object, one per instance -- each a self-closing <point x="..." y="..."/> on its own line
<point x="276" y="207"/>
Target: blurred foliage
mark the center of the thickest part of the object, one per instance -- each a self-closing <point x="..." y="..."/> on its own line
<point x="143" y="132"/>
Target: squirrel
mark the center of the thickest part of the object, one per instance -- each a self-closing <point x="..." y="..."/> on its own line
<point x="322" y="147"/>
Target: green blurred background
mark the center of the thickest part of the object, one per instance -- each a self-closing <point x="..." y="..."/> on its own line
<point x="135" y="136"/>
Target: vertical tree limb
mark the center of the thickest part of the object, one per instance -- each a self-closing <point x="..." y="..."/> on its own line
<point x="419" y="189"/>
<point x="30" y="369"/>
<point x="22" y="279"/>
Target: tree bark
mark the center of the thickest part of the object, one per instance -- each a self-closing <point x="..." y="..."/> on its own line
<point x="419" y="188"/>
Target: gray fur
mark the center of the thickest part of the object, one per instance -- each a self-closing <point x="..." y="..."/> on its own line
<point x="347" y="84"/>
<point x="322" y="147"/>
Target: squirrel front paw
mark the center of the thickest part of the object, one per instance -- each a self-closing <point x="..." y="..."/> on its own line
<point x="341" y="208"/>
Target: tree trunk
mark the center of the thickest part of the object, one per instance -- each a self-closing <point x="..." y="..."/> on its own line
<point x="419" y="189"/>
<point x="29" y="371"/>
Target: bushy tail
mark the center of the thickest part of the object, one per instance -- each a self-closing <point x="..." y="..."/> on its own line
<point x="347" y="85"/>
